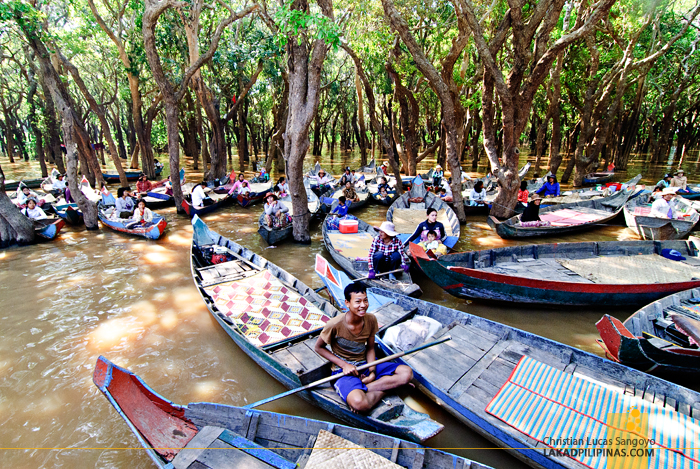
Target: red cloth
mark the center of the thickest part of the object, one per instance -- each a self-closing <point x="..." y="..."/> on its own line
<point x="144" y="186"/>
<point x="522" y="196"/>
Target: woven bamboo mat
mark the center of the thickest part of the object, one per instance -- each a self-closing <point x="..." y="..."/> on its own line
<point x="631" y="270"/>
<point x="406" y="220"/>
<point x="334" y="452"/>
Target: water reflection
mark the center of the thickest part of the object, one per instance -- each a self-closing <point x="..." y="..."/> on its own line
<point x="89" y="293"/>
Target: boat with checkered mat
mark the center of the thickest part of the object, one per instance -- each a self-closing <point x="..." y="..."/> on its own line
<point x="276" y="319"/>
<point x="217" y="436"/>
<point x="536" y="398"/>
<point x="656" y="338"/>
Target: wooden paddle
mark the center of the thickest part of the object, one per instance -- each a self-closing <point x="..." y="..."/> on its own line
<point x="379" y="275"/>
<point x="339" y="375"/>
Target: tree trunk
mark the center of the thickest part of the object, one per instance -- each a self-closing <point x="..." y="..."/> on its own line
<point x="361" y="121"/>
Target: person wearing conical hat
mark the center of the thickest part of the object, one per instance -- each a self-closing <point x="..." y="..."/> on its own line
<point x="387" y="252"/>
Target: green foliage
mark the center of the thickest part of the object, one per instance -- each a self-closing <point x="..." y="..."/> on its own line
<point x="316" y="25"/>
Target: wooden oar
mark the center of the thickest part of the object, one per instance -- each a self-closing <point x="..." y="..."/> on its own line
<point x="379" y="275"/>
<point x="339" y="375"/>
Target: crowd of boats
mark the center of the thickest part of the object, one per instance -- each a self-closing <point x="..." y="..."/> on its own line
<point x="517" y="389"/>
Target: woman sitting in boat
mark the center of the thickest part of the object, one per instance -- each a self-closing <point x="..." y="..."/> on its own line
<point x="350" y="194"/>
<point x="550" y="188"/>
<point x="478" y="195"/>
<point x="661" y="208"/>
<point x="523" y="195"/>
<point x="144" y="185"/>
<point x="433" y="244"/>
<point x="32" y="211"/>
<point x="666" y="181"/>
<point x="532" y="211"/>
<point x="276" y="214"/>
<point x="142" y="215"/>
<point x="387" y="252"/>
<point x="681" y="182"/>
<point x="324" y="181"/>
<point x="381" y="183"/>
<point x="199" y="198"/>
<point x="23" y="194"/>
<point x="347" y="177"/>
<point x="235" y="189"/>
<point x="430" y="224"/>
<point x="124" y="205"/>
<point x="438" y="174"/>
<point x="385" y="168"/>
<point x="351" y="337"/>
<point x="59" y="185"/>
<point x="282" y="188"/>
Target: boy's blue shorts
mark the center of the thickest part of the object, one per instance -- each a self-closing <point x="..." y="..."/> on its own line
<point x="346" y="384"/>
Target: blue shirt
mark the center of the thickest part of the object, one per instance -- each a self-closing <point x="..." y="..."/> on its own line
<point x="341" y="210"/>
<point x="549" y="189"/>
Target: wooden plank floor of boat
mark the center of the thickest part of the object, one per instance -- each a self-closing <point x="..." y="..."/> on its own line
<point x="540" y="269"/>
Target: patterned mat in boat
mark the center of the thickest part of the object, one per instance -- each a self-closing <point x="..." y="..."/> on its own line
<point x="561" y="411"/>
<point x="264" y="310"/>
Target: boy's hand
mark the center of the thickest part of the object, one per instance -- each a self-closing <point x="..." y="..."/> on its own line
<point x="368" y="379"/>
<point x="349" y="370"/>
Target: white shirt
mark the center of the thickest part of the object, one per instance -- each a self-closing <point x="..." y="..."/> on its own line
<point x="22" y="199"/>
<point x="198" y="197"/>
<point x="660" y="208"/>
<point x="35" y="214"/>
<point x="476" y="196"/>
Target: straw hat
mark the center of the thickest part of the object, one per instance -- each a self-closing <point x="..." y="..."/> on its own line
<point x="386" y="163"/>
<point x="438" y="167"/>
<point x="388" y="228"/>
<point x="680" y="171"/>
<point x="271" y="194"/>
<point x="669" y="191"/>
<point x="535" y="196"/>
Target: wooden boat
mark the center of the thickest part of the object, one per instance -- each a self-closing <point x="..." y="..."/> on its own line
<point x="598" y="178"/>
<point x="203" y="434"/>
<point x="130" y="175"/>
<point x="406" y="215"/>
<point x="649" y="341"/>
<point x="220" y="200"/>
<point x="48" y="228"/>
<point x="564" y="218"/>
<point x="328" y="203"/>
<point x="30" y="183"/>
<point x="273" y="236"/>
<point x="472" y="374"/>
<point x="524" y="392"/>
<point x="654" y="228"/>
<point x="280" y="336"/>
<point x="388" y="201"/>
<point x="588" y="193"/>
<point x="69" y="212"/>
<point x="610" y="273"/>
<point x="350" y="252"/>
<point x="154" y="230"/>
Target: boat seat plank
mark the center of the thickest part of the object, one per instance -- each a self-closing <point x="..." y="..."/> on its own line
<point x="452" y="365"/>
<point x="517" y="350"/>
<point x="253" y="422"/>
<point x="222" y="455"/>
<point x="472" y="334"/>
<point x="284" y="357"/>
<point x="196" y="446"/>
<point x="475" y="371"/>
<point x="468" y="345"/>
<point x="306" y="356"/>
<point x="256" y="451"/>
<point x="203" y="414"/>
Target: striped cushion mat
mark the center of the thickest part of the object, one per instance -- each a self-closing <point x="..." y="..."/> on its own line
<point x="547" y="404"/>
<point x="265" y="311"/>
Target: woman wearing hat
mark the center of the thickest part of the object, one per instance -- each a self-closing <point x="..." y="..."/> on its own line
<point x="532" y="211"/>
<point x="387" y="252"/>
<point x="275" y="211"/>
<point x="438" y="174"/>
<point x="680" y="181"/>
<point x="550" y="188"/>
<point x="324" y="181"/>
<point x="661" y="208"/>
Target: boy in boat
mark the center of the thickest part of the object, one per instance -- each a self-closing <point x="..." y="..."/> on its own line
<point x="351" y="337"/>
<point x="433" y="243"/>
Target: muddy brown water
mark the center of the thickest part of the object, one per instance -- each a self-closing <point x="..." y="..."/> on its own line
<point x="91" y="293"/>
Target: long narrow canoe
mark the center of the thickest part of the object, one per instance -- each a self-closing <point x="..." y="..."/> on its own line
<point x="598" y="178"/>
<point x="130" y="175"/>
<point x="203" y="434"/>
<point x="153" y="230"/>
<point x="257" y="193"/>
<point x="350" y="252"/>
<point x="328" y="203"/>
<point x="650" y="341"/>
<point x="30" y="183"/>
<point x="275" y="319"/>
<point x="611" y="273"/>
<point x="69" y="212"/>
<point x="589" y="193"/>
<point x="406" y="215"/>
<point x="477" y="377"/>
<point x="565" y="218"/>
<point x="654" y="228"/>
<point x="49" y="227"/>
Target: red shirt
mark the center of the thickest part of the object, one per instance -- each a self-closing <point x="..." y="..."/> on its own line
<point x="522" y="196"/>
<point x="144" y="186"/>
